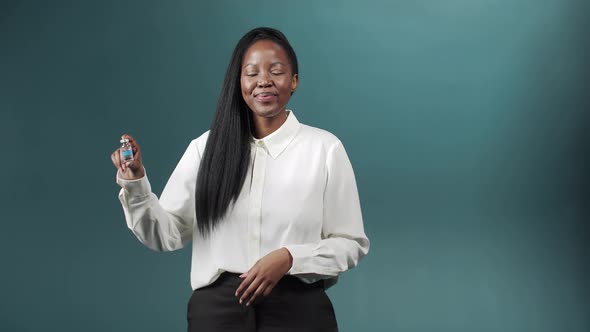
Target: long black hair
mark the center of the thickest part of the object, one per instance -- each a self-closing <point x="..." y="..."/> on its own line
<point x="226" y="159"/>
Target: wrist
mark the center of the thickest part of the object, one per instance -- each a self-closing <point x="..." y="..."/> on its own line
<point x="290" y="257"/>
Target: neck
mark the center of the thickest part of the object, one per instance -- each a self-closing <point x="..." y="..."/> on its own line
<point x="266" y="126"/>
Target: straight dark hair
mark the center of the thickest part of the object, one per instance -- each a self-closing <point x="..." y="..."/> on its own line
<point x="226" y="158"/>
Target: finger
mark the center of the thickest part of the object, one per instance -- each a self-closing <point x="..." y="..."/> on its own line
<point x="245" y="283"/>
<point x="137" y="154"/>
<point x="129" y="137"/>
<point x="251" y="289"/>
<point x="268" y="289"/>
<point x="121" y="162"/>
<point x="119" y="159"/>
<point x="259" y="290"/>
<point x="137" y="158"/>
<point x="134" y="146"/>
<point x="135" y="166"/>
<point x="115" y="159"/>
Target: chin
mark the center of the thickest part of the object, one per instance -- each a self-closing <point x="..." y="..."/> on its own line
<point x="266" y="112"/>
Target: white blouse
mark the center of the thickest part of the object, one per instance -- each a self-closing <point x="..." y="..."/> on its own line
<point x="300" y="193"/>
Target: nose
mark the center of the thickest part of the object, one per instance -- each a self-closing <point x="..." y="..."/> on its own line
<point x="264" y="81"/>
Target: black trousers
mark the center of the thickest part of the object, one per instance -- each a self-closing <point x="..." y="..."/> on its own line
<point x="292" y="306"/>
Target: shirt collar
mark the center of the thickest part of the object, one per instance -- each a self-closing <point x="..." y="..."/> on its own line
<point x="276" y="142"/>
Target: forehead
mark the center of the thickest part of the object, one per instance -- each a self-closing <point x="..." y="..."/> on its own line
<point x="264" y="51"/>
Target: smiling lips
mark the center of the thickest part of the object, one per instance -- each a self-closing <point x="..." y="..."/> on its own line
<point x="265" y="96"/>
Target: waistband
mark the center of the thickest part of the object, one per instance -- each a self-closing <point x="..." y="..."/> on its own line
<point x="287" y="281"/>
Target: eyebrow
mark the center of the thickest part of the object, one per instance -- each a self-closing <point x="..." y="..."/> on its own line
<point x="272" y="64"/>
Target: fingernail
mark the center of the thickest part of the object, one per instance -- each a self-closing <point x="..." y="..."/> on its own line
<point x="240" y="301"/>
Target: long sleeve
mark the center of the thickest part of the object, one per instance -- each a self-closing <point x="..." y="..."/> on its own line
<point x="343" y="242"/>
<point x="165" y="224"/>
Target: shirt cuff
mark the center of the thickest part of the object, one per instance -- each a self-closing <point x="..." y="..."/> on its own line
<point x="136" y="188"/>
<point x="301" y="253"/>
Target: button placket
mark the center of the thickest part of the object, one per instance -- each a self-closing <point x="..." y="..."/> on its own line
<point x="255" y="204"/>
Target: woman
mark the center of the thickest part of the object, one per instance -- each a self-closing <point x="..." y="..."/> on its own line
<point x="270" y="205"/>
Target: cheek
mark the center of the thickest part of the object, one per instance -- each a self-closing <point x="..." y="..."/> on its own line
<point x="246" y="87"/>
<point x="243" y="85"/>
<point x="286" y="86"/>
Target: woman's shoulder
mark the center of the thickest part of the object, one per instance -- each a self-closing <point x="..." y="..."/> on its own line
<point x="317" y="135"/>
<point x="200" y="142"/>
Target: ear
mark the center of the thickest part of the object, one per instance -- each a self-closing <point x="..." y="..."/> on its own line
<point x="294" y="82"/>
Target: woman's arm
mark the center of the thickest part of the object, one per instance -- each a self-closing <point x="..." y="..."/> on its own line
<point x="165" y="224"/>
<point x="344" y="242"/>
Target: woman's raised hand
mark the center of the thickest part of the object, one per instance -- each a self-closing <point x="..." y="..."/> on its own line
<point x="130" y="170"/>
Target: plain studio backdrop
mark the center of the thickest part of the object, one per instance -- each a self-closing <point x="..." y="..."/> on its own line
<point x="466" y="121"/>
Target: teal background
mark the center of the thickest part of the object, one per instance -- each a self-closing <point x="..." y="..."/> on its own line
<point x="467" y="123"/>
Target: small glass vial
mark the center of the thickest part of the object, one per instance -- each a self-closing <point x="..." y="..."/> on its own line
<point x="126" y="150"/>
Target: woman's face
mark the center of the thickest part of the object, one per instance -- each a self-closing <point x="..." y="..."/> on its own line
<point x="267" y="79"/>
